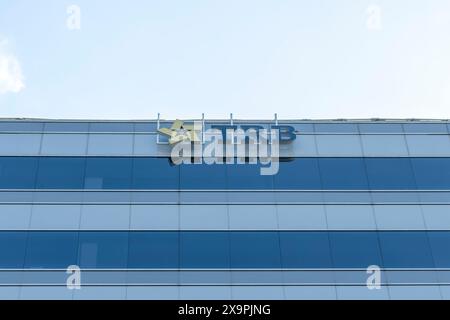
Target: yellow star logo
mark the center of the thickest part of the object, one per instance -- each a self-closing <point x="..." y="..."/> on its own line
<point x="180" y="132"/>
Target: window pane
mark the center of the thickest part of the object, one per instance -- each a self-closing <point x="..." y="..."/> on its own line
<point x="103" y="249"/>
<point x="205" y="250"/>
<point x="202" y="176"/>
<point x="380" y="128"/>
<point x="66" y="127"/>
<point x="21" y="126"/>
<point x="343" y="173"/>
<point x="18" y="172"/>
<point x="155" y="173"/>
<point x="61" y="173"/>
<point x="440" y="248"/>
<point x="301" y="173"/>
<point x="51" y="249"/>
<point x="336" y="127"/>
<point x="247" y="176"/>
<point x="255" y="250"/>
<point x="145" y="127"/>
<point x="108" y="173"/>
<point x="406" y="250"/>
<point x="355" y="249"/>
<point x="12" y="249"/>
<point x="153" y="250"/>
<point x="425" y="127"/>
<point x="305" y="250"/>
<point x="432" y="173"/>
<point x="390" y="173"/>
<point x="111" y="127"/>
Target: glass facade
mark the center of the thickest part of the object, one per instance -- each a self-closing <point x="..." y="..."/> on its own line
<point x="104" y="196"/>
<point x="125" y="173"/>
<point x="224" y="249"/>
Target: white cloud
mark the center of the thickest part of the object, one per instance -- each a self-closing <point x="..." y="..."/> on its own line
<point x="11" y="77"/>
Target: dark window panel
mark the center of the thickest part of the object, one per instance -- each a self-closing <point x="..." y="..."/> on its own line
<point x="154" y="250"/>
<point x="390" y="173"/>
<point x="432" y="173"/>
<point x="247" y="176"/>
<point x="18" y="172"/>
<point x="305" y="250"/>
<point x="303" y="173"/>
<point x="108" y="173"/>
<point x="12" y="249"/>
<point x="61" y="173"/>
<point x="406" y="250"/>
<point x="440" y="248"/>
<point x="51" y="250"/>
<point x="155" y="173"/>
<point x="103" y="249"/>
<point x="255" y="250"/>
<point x="343" y="173"/>
<point x="355" y="249"/>
<point x="203" y="176"/>
<point x="195" y="252"/>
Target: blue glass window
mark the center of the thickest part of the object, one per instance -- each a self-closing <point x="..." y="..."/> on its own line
<point x="303" y="173"/>
<point x="145" y="127"/>
<point x="158" y="173"/>
<point x="432" y="173"/>
<point x="154" y="250"/>
<point x="425" y="127"/>
<point x="406" y="250"/>
<point x="108" y="173"/>
<point x="155" y="173"/>
<point x="390" y="173"/>
<point x="355" y="249"/>
<point x="111" y="127"/>
<point x="255" y="250"/>
<point x="380" y="127"/>
<point x="336" y="127"/>
<point x="20" y="126"/>
<point x="60" y="173"/>
<point x="343" y="173"/>
<point x="247" y="176"/>
<point x="51" y="249"/>
<point x="305" y="250"/>
<point x="18" y="172"/>
<point x="12" y="249"/>
<point x="440" y="248"/>
<point x="202" y="176"/>
<point x="103" y="249"/>
<point x="198" y="253"/>
<point x="219" y="249"/>
<point x="66" y="127"/>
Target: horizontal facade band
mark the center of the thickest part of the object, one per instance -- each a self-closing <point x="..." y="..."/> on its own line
<point x="150" y="173"/>
<point x="242" y="197"/>
<point x="433" y="292"/>
<point x="305" y="145"/>
<point x="221" y="217"/>
<point x="224" y="278"/>
<point x="306" y="126"/>
<point x="224" y="249"/>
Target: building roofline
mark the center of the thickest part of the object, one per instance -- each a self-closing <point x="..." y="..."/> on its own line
<point x="338" y="120"/>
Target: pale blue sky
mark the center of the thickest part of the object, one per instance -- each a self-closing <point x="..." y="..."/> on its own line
<point x="301" y="59"/>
